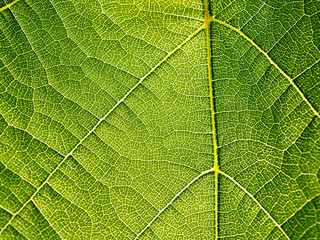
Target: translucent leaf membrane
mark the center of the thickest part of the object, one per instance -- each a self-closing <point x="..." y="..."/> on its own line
<point x="106" y="119"/>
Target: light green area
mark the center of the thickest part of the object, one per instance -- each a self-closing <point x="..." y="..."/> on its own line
<point x="109" y="109"/>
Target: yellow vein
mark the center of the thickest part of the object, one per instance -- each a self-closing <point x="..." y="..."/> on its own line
<point x="270" y="60"/>
<point x="102" y="119"/>
<point x="256" y="201"/>
<point x="8" y="5"/>
<point x="213" y="122"/>
<point x="172" y="200"/>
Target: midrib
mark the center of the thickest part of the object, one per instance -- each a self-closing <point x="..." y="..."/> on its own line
<point x="213" y="122"/>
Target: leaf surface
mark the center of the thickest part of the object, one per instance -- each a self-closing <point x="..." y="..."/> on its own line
<point x="159" y="119"/>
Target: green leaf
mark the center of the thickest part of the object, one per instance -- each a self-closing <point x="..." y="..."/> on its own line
<point x="159" y="119"/>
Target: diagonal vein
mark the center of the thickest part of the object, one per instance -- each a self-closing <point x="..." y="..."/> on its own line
<point x="256" y="201"/>
<point x="173" y="199"/>
<point x="101" y="120"/>
<point x="270" y="60"/>
<point x="8" y="5"/>
<point x="42" y="214"/>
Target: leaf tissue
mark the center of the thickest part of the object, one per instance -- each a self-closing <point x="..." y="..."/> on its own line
<point x="160" y="119"/>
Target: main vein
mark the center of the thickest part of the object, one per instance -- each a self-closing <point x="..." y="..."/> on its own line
<point x="270" y="60"/>
<point x="213" y="122"/>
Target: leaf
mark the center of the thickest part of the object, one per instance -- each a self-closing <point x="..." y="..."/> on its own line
<point x="160" y="119"/>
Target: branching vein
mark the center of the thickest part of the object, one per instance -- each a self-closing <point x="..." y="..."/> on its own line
<point x="213" y="122"/>
<point x="101" y="120"/>
<point x="270" y="60"/>
<point x="173" y="199"/>
<point x="8" y="5"/>
<point x="256" y="201"/>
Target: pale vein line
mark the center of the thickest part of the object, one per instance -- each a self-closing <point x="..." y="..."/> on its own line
<point x="256" y="201"/>
<point x="141" y="160"/>
<point x="30" y="134"/>
<point x="48" y="221"/>
<point x="305" y="231"/>
<point x="116" y="212"/>
<point x="301" y="207"/>
<point x="7" y="210"/>
<point x="136" y="159"/>
<point x="251" y="140"/>
<point x="270" y="60"/>
<point x="8" y="5"/>
<point x="173" y="199"/>
<point x="71" y="203"/>
<point x="19" y="233"/>
<point x="308" y="68"/>
<point x="102" y="119"/>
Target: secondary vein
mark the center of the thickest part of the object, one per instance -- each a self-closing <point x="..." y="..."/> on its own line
<point x="270" y="60"/>
<point x="101" y="120"/>
<point x="172" y="200"/>
<point x="257" y="202"/>
<point x="8" y="5"/>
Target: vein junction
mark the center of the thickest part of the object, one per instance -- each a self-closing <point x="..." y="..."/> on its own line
<point x="99" y="122"/>
<point x="8" y="5"/>
<point x="212" y="19"/>
<point x="215" y="169"/>
<point x="213" y="123"/>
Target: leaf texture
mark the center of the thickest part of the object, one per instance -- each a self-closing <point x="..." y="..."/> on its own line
<point x="159" y="119"/>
